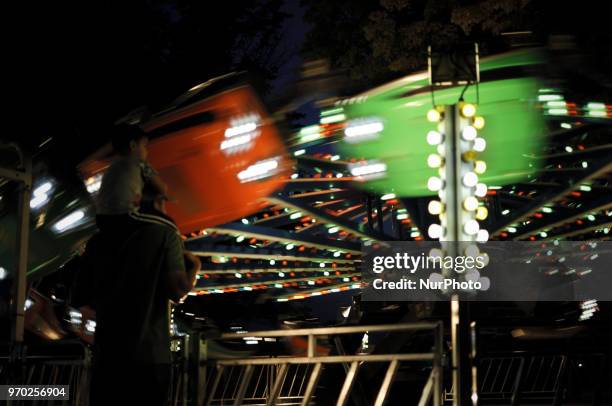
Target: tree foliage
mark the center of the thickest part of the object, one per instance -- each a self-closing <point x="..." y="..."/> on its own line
<point x="375" y="40"/>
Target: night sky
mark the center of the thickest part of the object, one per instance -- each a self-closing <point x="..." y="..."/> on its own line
<point x="74" y="68"/>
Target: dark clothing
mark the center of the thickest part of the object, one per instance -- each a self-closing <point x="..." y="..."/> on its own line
<point x="124" y="223"/>
<point x="127" y="272"/>
<point x="129" y="292"/>
<point x="130" y="384"/>
<point x="119" y="224"/>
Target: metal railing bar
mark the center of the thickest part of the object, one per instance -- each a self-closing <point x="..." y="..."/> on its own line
<point x="348" y="384"/>
<point x="329" y="359"/>
<point x="498" y="367"/>
<point x="278" y="384"/>
<point x="244" y="383"/>
<point x="388" y="380"/>
<point x="297" y="369"/>
<point x="229" y="380"/>
<point x="312" y="383"/>
<point x="332" y="330"/>
<point x="427" y="390"/>
<point x="486" y="375"/>
<point x="213" y="389"/>
<point x="537" y="375"/>
<point x="261" y="371"/>
<point x="304" y="375"/>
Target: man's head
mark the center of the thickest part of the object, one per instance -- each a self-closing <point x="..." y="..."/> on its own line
<point x="152" y="200"/>
<point x="130" y="140"/>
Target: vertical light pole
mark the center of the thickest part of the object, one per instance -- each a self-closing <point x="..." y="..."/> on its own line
<point x="456" y="159"/>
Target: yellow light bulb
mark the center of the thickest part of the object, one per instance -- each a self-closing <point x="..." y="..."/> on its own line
<point x="478" y="123"/>
<point x="480" y="167"/>
<point x="468" y="110"/>
<point x="470" y="203"/>
<point x="435" y="207"/>
<point x="481" y="213"/>
<point x="469" y="156"/>
<point x="434" y="115"/>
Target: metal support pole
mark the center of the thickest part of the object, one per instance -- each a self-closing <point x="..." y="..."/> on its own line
<point x="437" y="365"/>
<point x="455" y="236"/>
<point x="18" y="288"/>
<point x="195" y="374"/>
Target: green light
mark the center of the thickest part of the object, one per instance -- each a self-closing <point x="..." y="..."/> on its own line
<point x="556" y="104"/>
<point x="402" y="216"/>
<point x="388" y="196"/>
<point x="511" y="230"/>
<point x="585" y="188"/>
<point x="309" y="137"/>
<point x="310" y="133"/>
<point x="549" y="97"/>
<point x="299" y="152"/>
<point x="333" y="230"/>
<point x="240" y="238"/>
<point x="557" y="112"/>
<point x="311" y="129"/>
<point x="295" y="215"/>
<point x="547" y="210"/>
<point x="596" y="106"/>
<point x="333" y="119"/>
<point x="566" y="126"/>
<point x="597" y="113"/>
<point x="331" y="112"/>
<point x="590" y="217"/>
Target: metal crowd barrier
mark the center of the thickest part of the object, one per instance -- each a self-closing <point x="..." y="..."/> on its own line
<point x="293" y="380"/>
<point x="69" y="363"/>
<point x="70" y="367"/>
<point x="517" y="378"/>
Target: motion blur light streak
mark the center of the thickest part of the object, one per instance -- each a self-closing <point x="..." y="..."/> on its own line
<point x="259" y="170"/>
<point x="69" y="221"/>
<point x="363" y="130"/>
<point x="371" y="169"/>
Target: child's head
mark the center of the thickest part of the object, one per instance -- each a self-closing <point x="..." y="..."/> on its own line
<point x="130" y="140"/>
